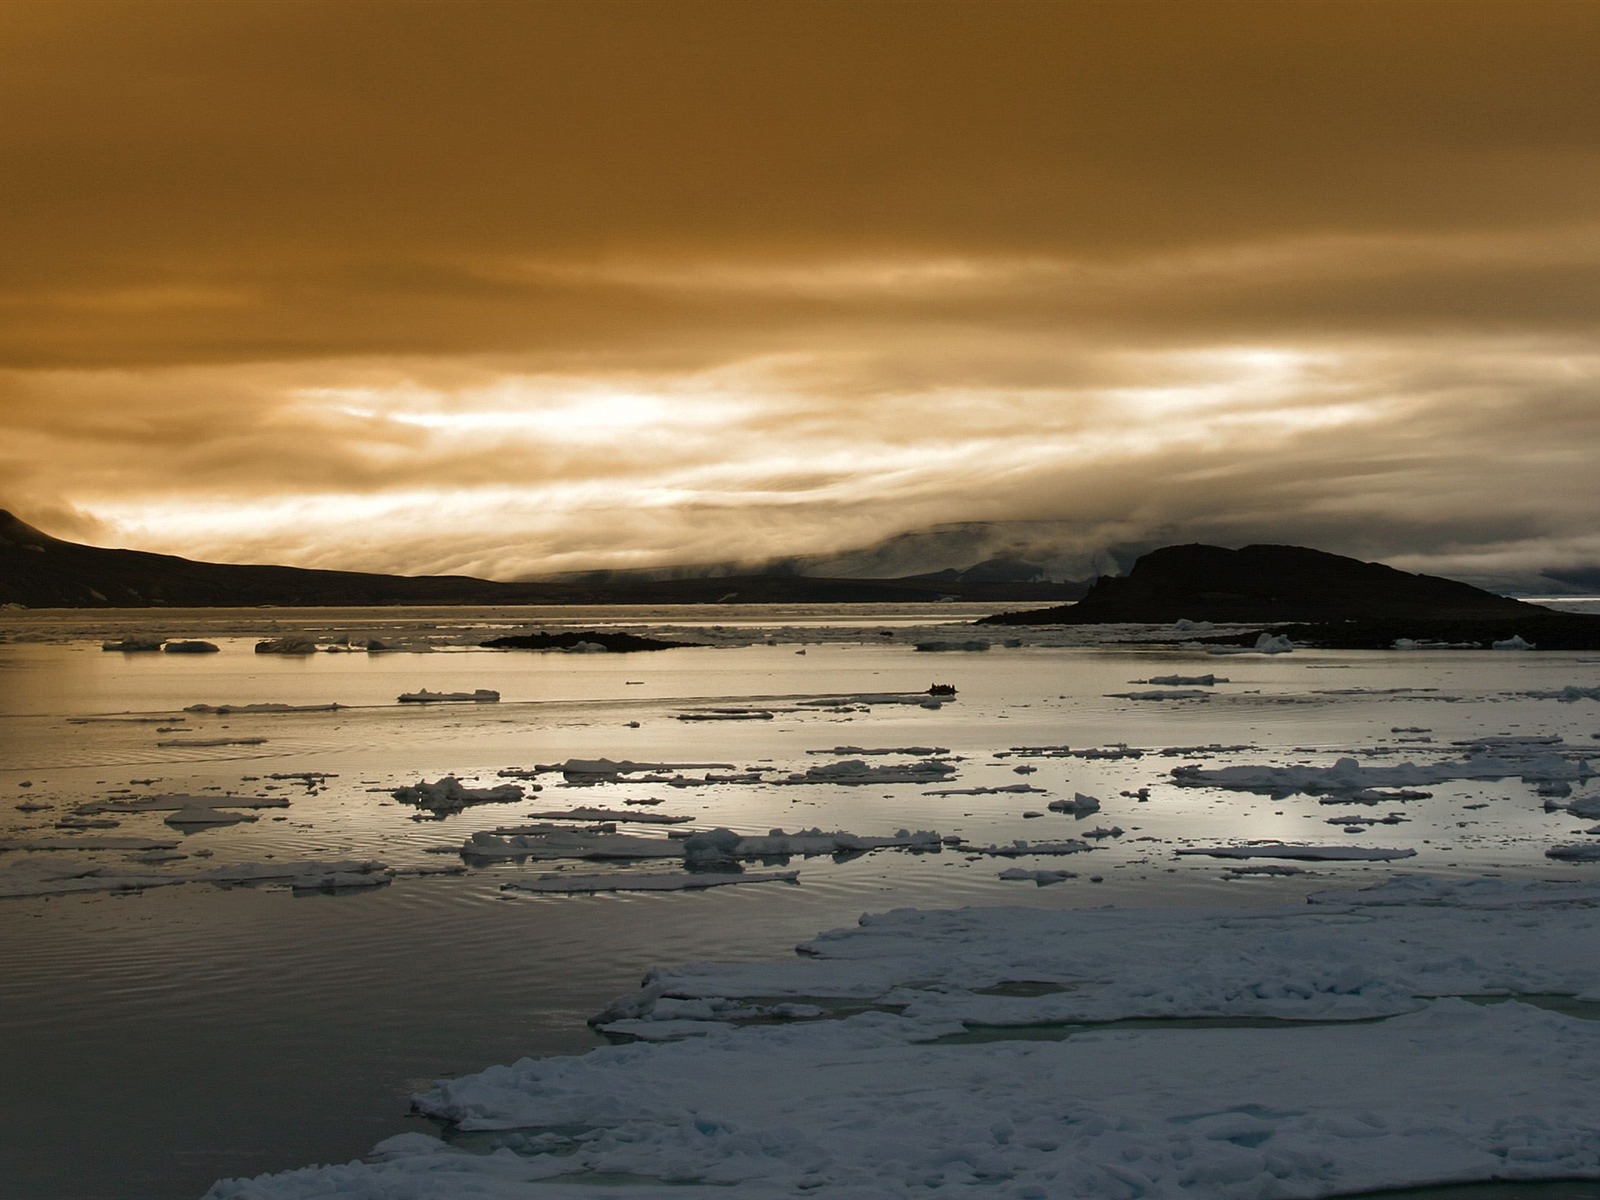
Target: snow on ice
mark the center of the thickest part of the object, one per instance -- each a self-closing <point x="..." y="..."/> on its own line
<point x="1348" y="775"/>
<point x="880" y="1065"/>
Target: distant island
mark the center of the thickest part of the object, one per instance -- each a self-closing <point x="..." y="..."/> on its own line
<point x="39" y="571"/>
<point x="1312" y="596"/>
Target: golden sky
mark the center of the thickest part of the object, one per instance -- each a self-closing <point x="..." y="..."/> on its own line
<point x="507" y="288"/>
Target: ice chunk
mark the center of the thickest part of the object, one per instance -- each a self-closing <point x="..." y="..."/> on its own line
<point x="639" y="881"/>
<point x="1079" y="806"/>
<point x="991" y="790"/>
<point x="224" y="710"/>
<point x="854" y="772"/>
<point x="480" y="696"/>
<point x="609" y="814"/>
<point x="605" y="770"/>
<point x="1021" y="848"/>
<point x="199" y="815"/>
<point x="199" y="743"/>
<point x="286" y="645"/>
<point x="560" y="842"/>
<point x="171" y="803"/>
<point x="1041" y="878"/>
<point x="51" y="876"/>
<point x="191" y="648"/>
<point x="1568" y="694"/>
<point x="135" y="644"/>
<point x="1310" y="853"/>
<point x="726" y="714"/>
<point x="449" y="795"/>
<point x="304" y="875"/>
<point x="1514" y="642"/>
<point x="720" y="843"/>
<point x="1576" y="852"/>
<point x="87" y="843"/>
<point x="1348" y="775"/>
<point x="1267" y="643"/>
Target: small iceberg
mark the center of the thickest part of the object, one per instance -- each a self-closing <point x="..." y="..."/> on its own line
<point x="481" y="696"/>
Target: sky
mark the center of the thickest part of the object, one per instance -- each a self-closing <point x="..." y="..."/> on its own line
<point x="519" y="288"/>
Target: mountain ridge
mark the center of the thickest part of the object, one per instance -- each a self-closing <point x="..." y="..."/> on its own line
<point x="40" y="571"/>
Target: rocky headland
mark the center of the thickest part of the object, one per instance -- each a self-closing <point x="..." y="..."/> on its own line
<point x="1313" y="597"/>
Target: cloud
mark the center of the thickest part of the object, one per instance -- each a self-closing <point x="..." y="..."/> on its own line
<point x="517" y="288"/>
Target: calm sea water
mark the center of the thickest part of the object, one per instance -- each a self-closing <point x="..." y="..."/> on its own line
<point x="155" y="1041"/>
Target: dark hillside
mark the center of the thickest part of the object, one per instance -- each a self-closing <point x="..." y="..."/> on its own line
<point x="39" y="571"/>
<point x="1329" y="600"/>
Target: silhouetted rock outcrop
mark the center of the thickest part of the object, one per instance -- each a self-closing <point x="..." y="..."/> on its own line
<point x="1324" y="598"/>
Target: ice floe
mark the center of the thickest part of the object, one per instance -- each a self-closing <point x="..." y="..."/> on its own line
<point x="286" y="645"/>
<point x="855" y="772"/>
<point x="1267" y="643"/>
<point x="55" y="877"/>
<point x="710" y="846"/>
<point x="1309" y="853"/>
<point x="174" y="802"/>
<point x="1042" y="878"/>
<point x="1348" y="775"/>
<point x="194" y="816"/>
<point x="609" y="814"/>
<point x="605" y="770"/>
<point x="478" y="696"/>
<point x="209" y="743"/>
<point x="135" y="644"/>
<point x="928" y="699"/>
<point x="880" y="1065"/>
<point x="1022" y="848"/>
<point x="451" y="795"/>
<point x="562" y="842"/>
<point x="1079" y="806"/>
<point x="1567" y="695"/>
<point x="87" y="843"/>
<point x="988" y="790"/>
<point x="1576" y="852"/>
<point x="191" y="647"/>
<point x="641" y="881"/>
<point x="225" y="710"/>
<point x="725" y="845"/>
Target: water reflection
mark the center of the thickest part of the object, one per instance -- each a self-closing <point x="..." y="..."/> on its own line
<point x="208" y="1032"/>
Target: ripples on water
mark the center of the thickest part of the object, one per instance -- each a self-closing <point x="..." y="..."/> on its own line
<point x="157" y="1041"/>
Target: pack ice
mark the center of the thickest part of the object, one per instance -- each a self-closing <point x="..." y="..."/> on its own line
<point x="988" y="1051"/>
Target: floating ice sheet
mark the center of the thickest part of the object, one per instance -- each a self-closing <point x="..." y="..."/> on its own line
<point x="1308" y="853"/>
<point x="1348" y="775"/>
<point x="1370" y="1081"/>
<point x="640" y="881"/>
